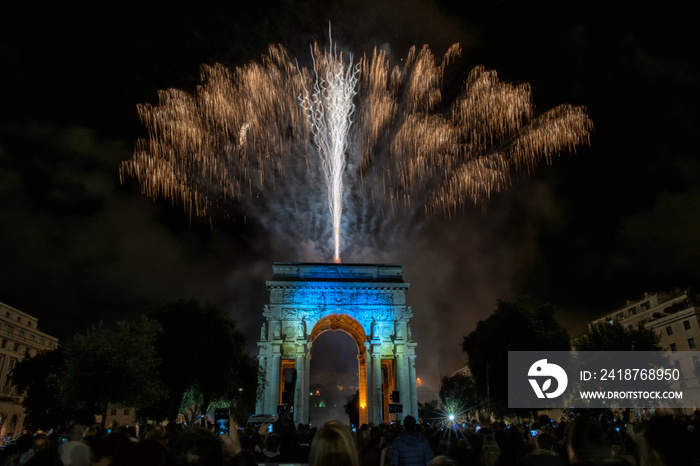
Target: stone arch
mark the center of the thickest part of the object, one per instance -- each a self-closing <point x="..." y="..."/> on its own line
<point x="341" y="322"/>
<point x="364" y="300"/>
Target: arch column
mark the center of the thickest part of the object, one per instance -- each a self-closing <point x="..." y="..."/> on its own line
<point x="274" y="393"/>
<point x="298" y="397"/>
<point x="377" y="367"/>
<point x="362" y="382"/>
<point x="402" y="379"/>
<point x="412" y="384"/>
<point x="260" y="403"/>
<point x="268" y="383"/>
<point x="369" y="384"/>
<point x="307" y="382"/>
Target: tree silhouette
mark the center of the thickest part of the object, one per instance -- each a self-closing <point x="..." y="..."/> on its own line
<point x="111" y="366"/>
<point x="203" y="356"/>
<point x="352" y="408"/>
<point x="615" y="337"/>
<point x="513" y="326"/>
<point x="39" y="378"/>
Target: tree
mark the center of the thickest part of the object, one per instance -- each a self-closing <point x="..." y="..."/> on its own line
<point x="203" y="362"/>
<point x="111" y="366"/>
<point x="459" y="396"/>
<point x="39" y="379"/>
<point x="615" y="337"/>
<point x="513" y="326"/>
<point x="352" y="408"/>
<point x="428" y="411"/>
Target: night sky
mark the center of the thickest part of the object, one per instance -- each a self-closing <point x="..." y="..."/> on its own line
<point x="614" y="220"/>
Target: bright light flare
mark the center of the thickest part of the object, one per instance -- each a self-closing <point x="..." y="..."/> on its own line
<point x="451" y="417"/>
<point x="451" y="414"/>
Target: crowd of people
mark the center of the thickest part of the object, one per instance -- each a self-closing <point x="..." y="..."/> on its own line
<point x="587" y="440"/>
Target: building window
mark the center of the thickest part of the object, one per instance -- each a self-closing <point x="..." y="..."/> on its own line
<point x="114" y="411"/>
<point x="669" y="330"/>
<point x="686" y="324"/>
<point x="126" y="412"/>
<point x="645" y="306"/>
<point x="691" y="343"/>
<point x="673" y="347"/>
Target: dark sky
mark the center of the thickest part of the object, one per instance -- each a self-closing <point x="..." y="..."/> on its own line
<point x="618" y="218"/>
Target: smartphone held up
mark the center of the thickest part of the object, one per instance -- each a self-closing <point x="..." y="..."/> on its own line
<point x="222" y="421"/>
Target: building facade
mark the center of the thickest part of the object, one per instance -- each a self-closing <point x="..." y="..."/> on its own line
<point x="675" y="317"/>
<point x="366" y="301"/>
<point x="19" y="338"/>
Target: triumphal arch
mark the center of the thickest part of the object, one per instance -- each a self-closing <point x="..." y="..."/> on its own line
<point x="368" y="302"/>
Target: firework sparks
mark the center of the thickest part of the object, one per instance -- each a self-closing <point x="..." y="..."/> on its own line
<point x="329" y="108"/>
<point x="245" y="140"/>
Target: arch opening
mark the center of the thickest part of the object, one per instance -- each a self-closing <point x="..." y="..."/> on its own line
<point x="351" y="327"/>
<point x="334" y="376"/>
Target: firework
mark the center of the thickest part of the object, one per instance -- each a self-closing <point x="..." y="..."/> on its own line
<point x="263" y="138"/>
<point x="329" y="108"/>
